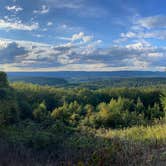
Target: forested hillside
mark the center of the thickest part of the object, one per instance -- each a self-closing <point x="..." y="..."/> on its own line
<point x="91" y="80"/>
<point x="43" y="125"/>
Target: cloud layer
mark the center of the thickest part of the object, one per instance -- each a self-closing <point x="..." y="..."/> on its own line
<point x="81" y="54"/>
<point x="48" y="35"/>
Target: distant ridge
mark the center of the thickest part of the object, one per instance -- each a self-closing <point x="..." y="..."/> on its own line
<point x="94" y="74"/>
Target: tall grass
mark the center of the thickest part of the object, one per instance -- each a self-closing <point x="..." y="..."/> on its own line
<point x="149" y="134"/>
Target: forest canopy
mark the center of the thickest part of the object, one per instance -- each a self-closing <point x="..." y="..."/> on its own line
<point x="40" y="117"/>
<point x="108" y="107"/>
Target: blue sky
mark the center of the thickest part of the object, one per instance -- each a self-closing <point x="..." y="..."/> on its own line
<point x="98" y="35"/>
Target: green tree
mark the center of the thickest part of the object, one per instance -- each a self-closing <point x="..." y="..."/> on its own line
<point x="89" y="109"/>
<point x="163" y="101"/>
<point x="154" y="112"/>
<point x="9" y="113"/>
<point x="3" y="80"/>
<point x="61" y="113"/>
<point x="40" y="113"/>
<point x="25" y="110"/>
<point x="139" y="106"/>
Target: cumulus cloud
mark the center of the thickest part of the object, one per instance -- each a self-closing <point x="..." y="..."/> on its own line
<point x="73" y="56"/>
<point x="44" y="9"/>
<point x="17" y="25"/>
<point x="11" y="52"/>
<point x="79" y="37"/>
<point x="14" y="8"/>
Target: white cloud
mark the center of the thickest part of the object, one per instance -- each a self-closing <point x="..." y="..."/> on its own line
<point x="156" y="34"/>
<point x="49" y="23"/>
<point x="44" y="9"/>
<point x="14" y="8"/>
<point x="156" y="54"/>
<point x="158" y="21"/>
<point x="153" y="27"/>
<point x="78" y="37"/>
<point x="3" y="44"/>
<point x="64" y="59"/>
<point x="81" y="36"/>
<point x="128" y="35"/>
<point x="139" y="55"/>
<point x="142" y="44"/>
<point x="17" y="25"/>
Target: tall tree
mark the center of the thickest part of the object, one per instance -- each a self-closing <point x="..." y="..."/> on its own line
<point x="3" y="79"/>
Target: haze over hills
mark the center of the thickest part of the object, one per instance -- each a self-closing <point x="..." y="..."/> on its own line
<point x="71" y="74"/>
<point x="92" y="79"/>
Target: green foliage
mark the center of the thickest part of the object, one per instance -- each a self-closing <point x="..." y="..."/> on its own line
<point x="89" y="109"/>
<point x="111" y="108"/>
<point x="25" y="110"/>
<point x="51" y="81"/>
<point x="139" y="106"/>
<point x="116" y="114"/>
<point x="154" y="112"/>
<point x="71" y="120"/>
<point x="3" y="80"/>
<point x="9" y="113"/>
<point x="68" y="113"/>
<point x="60" y="112"/>
<point x="163" y="103"/>
<point x="40" y="113"/>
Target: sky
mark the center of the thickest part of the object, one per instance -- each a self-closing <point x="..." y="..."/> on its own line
<point x="82" y="35"/>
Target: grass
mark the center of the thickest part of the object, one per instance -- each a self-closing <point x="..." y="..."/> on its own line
<point x="149" y="134"/>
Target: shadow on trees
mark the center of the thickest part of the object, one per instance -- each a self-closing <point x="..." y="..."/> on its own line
<point x="79" y="148"/>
